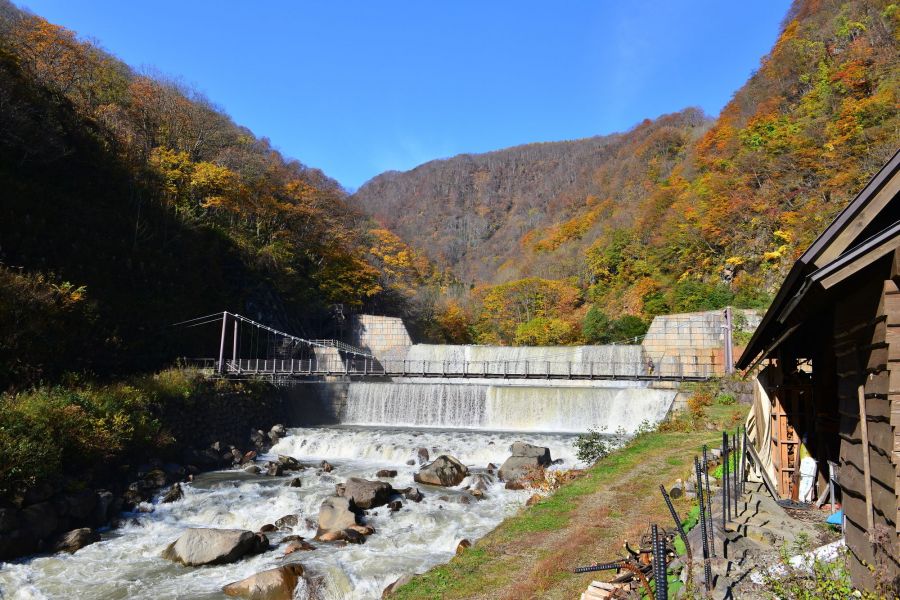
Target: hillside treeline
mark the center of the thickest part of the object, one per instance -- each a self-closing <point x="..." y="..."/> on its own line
<point x="681" y="213"/>
<point x="130" y="202"/>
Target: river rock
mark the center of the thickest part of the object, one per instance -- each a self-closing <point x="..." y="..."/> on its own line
<point x="289" y="463"/>
<point x="252" y="469"/>
<point x="273" y="584"/>
<point x="76" y="539"/>
<point x="41" y="519"/>
<point x="332" y="536"/>
<point x="174" y="494"/>
<point x="386" y="473"/>
<point x="296" y="482"/>
<point x="335" y="515"/>
<point x="445" y="470"/>
<point x="274" y="469"/>
<point x="395" y="586"/>
<point x="326" y="466"/>
<point x="365" y="494"/>
<point x="277" y="432"/>
<point x="422" y="455"/>
<point x="258" y="438"/>
<point x="298" y="546"/>
<point x="287" y="521"/>
<point x="535" y="498"/>
<point x="362" y="529"/>
<point x="267" y="528"/>
<point x="463" y="545"/>
<point x="525" y="458"/>
<point x="79" y="505"/>
<point x="198" y="546"/>
<point x="480" y="481"/>
<point x="249" y="456"/>
<point x="9" y="519"/>
<point x="395" y="505"/>
<point x="413" y="494"/>
<point x="354" y="537"/>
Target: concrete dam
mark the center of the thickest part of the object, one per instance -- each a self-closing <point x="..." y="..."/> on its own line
<point x="513" y="404"/>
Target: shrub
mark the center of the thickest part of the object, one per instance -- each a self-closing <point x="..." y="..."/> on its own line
<point x="725" y="399"/>
<point x="593" y="446"/>
<point x="698" y="402"/>
<point x="48" y="431"/>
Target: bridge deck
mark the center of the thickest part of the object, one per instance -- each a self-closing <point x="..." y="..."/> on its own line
<point x="536" y="370"/>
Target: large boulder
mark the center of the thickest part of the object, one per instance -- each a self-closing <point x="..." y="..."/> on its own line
<point x="365" y="494"/>
<point x="335" y="515"/>
<point x="525" y="458"/>
<point x="214" y="546"/>
<point x="444" y="470"/>
<point x="273" y="584"/>
<point x="539" y="452"/>
<point x="76" y="540"/>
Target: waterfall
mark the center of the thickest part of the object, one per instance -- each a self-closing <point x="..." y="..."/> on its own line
<point x="619" y="359"/>
<point x="504" y="407"/>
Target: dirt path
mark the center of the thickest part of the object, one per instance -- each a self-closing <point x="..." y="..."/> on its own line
<point x="531" y="554"/>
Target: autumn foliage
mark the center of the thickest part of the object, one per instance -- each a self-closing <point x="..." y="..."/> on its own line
<point x="147" y="198"/>
<point x="681" y="213"/>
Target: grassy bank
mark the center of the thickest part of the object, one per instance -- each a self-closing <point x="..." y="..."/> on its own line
<point x="48" y="434"/>
<point x="531" y="554"/>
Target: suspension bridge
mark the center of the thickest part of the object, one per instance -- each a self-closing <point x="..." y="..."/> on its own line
<point x="252" y="350"/>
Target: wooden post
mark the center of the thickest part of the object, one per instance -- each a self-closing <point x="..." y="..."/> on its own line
<point x="867" y="473"/>
<point x="222" y="343"/>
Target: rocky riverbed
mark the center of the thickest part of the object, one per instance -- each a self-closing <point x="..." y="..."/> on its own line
<point x="392" y="534"/>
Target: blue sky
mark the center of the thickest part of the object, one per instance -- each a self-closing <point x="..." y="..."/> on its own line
<point x="360" y="87"/>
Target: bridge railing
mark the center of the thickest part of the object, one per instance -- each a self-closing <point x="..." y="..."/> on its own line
<point x="528" y="369"/>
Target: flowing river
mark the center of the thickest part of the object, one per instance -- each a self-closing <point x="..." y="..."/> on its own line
<point x="126" y="564"/>
<point x="383" y="426"/>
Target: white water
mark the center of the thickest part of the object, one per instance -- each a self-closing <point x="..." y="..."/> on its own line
<point x="504" y="407"/>
<point x="126" y="564"/>
<point x="384" y="425"/>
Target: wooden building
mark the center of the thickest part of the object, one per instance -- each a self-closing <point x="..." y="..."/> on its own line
<point x="831" y="346"/>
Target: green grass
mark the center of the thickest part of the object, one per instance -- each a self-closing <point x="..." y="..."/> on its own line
<point x="508" y="555"/>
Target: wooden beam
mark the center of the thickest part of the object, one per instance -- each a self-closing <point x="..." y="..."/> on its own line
<point x="867" y="471"/>
<point x="865" y="216"/>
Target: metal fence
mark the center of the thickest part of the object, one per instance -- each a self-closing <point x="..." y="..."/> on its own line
<point x="513" y="369"/>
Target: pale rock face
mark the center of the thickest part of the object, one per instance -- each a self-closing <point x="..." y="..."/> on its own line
<point x="273" y="584"/>
<point x="525" y="458"/>
<point x="213" y="546"/>
<point x="365" y="494"/>
<point x="445" y="471"/>
<point x="335" y="515"/>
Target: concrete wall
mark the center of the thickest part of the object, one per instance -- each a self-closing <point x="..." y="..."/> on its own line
<point x="385" y="337"/>
<point x="694" y="340"/>
<point x="314" y="403"/>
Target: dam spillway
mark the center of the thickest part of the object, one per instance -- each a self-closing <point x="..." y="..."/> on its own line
<point x="503" y="407"/>
<point x="487" y="403"/>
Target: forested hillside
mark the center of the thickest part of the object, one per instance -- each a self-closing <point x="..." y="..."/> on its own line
<point x="677" y="214"/>
<point x="130" y="202"/>
<point x="504" y="214"/>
